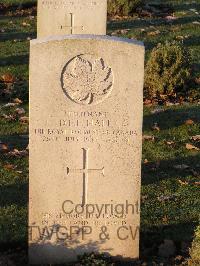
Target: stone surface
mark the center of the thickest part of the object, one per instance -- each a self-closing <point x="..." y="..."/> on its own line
<point x="86" y="108"/>
<point x="61" y="17"/>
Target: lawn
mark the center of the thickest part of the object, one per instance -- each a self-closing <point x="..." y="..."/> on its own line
<point x="171" y="159"/>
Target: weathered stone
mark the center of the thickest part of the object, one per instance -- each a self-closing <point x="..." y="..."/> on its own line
<point x="86" y="108"/>
<point x="62" y="17"/>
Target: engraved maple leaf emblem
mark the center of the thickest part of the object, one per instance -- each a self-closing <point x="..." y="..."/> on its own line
<point x="87" y="81"/>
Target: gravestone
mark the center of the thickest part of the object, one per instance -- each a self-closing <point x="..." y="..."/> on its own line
<point x="62" y="17"/>
<point x="86" y="108"/>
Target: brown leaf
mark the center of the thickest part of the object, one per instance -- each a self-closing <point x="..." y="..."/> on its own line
<point x="183" y="182"/>
<point x="170" y="143"/>
<point x="20" y="111"/>
<point x="18" y="153"/>
<point x="3" y="147"/>
<point x="165" y="219"/>
<point x="189" y="122"/>
<point x="149" y="138"/>
<point x="8" y="78"/>
<point x="195" y="138"/>
<point x="191" y="147"/>
<point x="17" y="100"/>
<point x="153" y="33"/>
<point x="147" y="102"/>
<point x="9" y="166"/>
<point x="24" y="119"/>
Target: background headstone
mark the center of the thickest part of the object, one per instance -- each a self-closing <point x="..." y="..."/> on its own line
<point x="86" y="109"/>
<point x="62" y="17"/>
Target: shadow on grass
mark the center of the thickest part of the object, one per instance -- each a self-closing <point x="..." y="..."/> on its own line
<point x="172" y="118"/>
<point x="139" y="23"/>
<point x="16" y="36"/>
<point x="153" y="236"/>
<point x="14" y="60"/>
<point x="185" y="7"/>
<point x="166" y="169"/>
<point x="15" y="194"/>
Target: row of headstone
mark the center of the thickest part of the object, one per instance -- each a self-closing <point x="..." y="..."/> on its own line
<point x="86" y="94"/>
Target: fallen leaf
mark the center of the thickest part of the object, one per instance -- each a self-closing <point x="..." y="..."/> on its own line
<point x="18" y="153"/>
<point x="20" y="111"/>
<point x="17" y="100"/>
<point x="153" y="33"/>
<point x="196" y="22"/>
<point x="191" y="147"/>
<point x="157" y="111"/>
<point x="10" y="104"/>
<point x="147" y="102"/>
<point x="189" y="122"/>
<point x="170" y="143"/>
<point x="155" y="127"/>
<point x="149" y="138"/>
<point x="181" y="166"/>
<point x="195" y="138"/>
<point x="3" y="147"/>
<point x="24" y="119"/>
<point x="19" y="172"/>
<point x="8" y="117"/>
<point x="165" y="219"/>
<point x="163" y="198"/>
<point x="170" y="18"/>
<point x="197" y="183"/>
<point x="8" y="78"/>
<point x="183" y="182"/>
<point x="9" y="166"/>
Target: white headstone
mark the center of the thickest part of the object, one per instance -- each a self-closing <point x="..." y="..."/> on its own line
<point x="62" y="17"/>
<point x="86" y="109"/>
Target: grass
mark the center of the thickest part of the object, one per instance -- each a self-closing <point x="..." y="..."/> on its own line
<point x="172" y="218"/>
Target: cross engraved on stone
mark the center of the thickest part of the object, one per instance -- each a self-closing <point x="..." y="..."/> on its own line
<point x="85" y="171"/>
<point x="72" y="26"/>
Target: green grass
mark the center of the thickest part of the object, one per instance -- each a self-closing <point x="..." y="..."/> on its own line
<point x="174" y="218"/>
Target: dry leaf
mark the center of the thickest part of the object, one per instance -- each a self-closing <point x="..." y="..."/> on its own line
<point x="8" y="78"/>
<point x="8" y="117"/>
<point x="165" y="219"/>
<point x="20" y="111"/>
<point x="170" y="143"/>
<point x="157" y="111"/>
<point x="24" y="119"/>
<point x="10" y="104"/>
<point x="191" y="147"/>
<point x="155" y="127"/>
<point x="145" y="161"/>
<point x="9" y="166"/>
<point x="189" y="122"/>
<point x="195" y="138"/>
<point x="170" y="18"/>
<point x="150" y="138"/>
<point x="147" y="102"/>
<point x="181" y="166"/>
<point x="3" y="147"/>
<point x="183" y="182"/>
<point x="17" y="100"/>
<point x="18" y="153"/>
<point x="153" y="33"/>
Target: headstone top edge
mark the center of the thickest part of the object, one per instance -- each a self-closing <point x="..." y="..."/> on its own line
<point x="86" y="37"/>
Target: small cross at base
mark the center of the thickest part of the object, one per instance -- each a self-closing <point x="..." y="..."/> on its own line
<point x="85" y="171"/>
